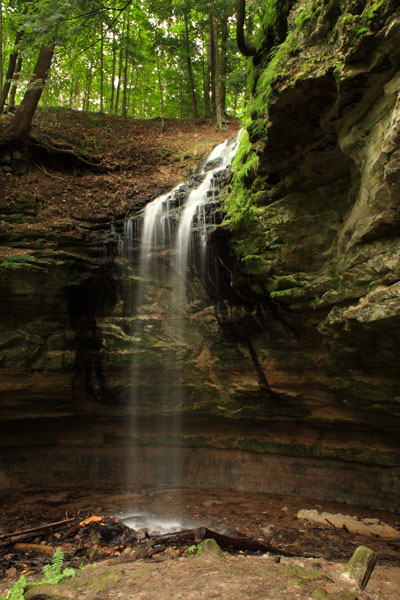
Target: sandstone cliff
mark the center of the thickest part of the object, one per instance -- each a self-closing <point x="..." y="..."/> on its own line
<point x="314" y="207"/>
<point x="289" y="367"/>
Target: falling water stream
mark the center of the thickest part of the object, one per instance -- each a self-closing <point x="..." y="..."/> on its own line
<point x="161" y="245"/>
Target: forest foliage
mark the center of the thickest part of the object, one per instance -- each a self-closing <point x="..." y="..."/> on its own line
<point x="135" y="58"/>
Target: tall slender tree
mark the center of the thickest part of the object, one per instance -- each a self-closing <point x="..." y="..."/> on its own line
<point x="215" y="65"/>
<point x="12" y="62"/>
<point x="192" y="91"/>
<point x="21" y="122"/>
<point x="126" y="67"/>
<point x="14" y="85"/>
<point x="143" y="59"/>
<point x="1" y="45"/>
<point x="101" y="68"/>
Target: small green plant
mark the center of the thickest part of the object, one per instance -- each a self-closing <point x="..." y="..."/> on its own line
<point x="54" y="573"/>
<point x="17" y="590"/>
<point x="361" y="31"/>
<point x="195" y="550"/>
<point x="373" y="11"/>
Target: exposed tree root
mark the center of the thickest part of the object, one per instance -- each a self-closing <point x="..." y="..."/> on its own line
<point x="68" y="152"/>
<point x="36" y="149"/>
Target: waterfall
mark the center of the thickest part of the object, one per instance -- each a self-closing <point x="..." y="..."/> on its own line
<point x="160" y="245"/>
<point x="195" y="206"/>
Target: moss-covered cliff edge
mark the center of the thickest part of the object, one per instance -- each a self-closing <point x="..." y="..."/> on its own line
<point x="314" y="205"/>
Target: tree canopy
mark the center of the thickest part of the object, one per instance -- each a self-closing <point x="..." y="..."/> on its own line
<point x="136" y="58"/>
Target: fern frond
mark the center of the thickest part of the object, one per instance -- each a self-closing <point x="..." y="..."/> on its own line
<point x="52" y="572"/>
<point x="17" y="590"/>
<point x="57" y="560"/>
<point x="68" y="572"/>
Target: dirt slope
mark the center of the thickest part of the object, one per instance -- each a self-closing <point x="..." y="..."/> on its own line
<point x="140" y="161"/>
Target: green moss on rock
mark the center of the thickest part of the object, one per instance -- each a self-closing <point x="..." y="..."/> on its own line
<point x="26" y="262"/>
<point x="367" y="395"/>
<point x="361" y="455"/>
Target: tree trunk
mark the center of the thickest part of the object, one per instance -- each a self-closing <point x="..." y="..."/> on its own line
<point x="144" y="97"/>
<point x="101" y="69"/>
<point x="76" y="95"/>
<point x="206" y="76"/>
<point x="10" y="72"/>
<point x="224" y="59"/>
<point x="195" y="112"/>
<point x="181" y="96"/>
<point x="134" y="93"/>
<point x="5" y="88"/>
<point x="119" y="82"/>
<point x="160" y="87"/>
<point x="1" y="46"/>
<point x="88" y="90"/>
<point x="210" y="54"/>
<point x="21" y="122"/>
<point x="125" y="89"/>
<point x="126" y="67"/>
<point x="244" y="48"/>
<point x="130" y="85"/>
<point x="114" y="62"/>
<point x="71" y="93"/>
<point x="215" y="66"/>
<point x="11" y="102"/>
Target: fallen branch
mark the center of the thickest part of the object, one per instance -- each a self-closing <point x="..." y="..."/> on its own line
<point x="47" y="173"/>
<point x="42" y="548"/>
<point x="241" y="543"/>
<point x="328" y="521"/>
<point x="146" y="550"/>
<point x="226" y="542"/>
<point x="24" y="532"/>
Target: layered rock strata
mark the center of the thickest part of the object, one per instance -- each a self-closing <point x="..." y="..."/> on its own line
<point x="286" y="379"/>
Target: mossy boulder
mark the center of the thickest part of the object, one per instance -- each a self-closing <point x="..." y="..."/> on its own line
<point x="360" y="566"/>
<point x="210" y="547"/>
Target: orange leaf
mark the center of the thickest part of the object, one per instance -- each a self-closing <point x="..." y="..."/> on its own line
<point x="89" y="520"/>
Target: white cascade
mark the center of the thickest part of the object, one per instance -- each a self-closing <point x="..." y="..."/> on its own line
<point x="159" y="244"/>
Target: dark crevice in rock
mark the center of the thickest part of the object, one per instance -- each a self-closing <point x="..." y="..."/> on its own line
<point x="94" y="294"/>
<point x="89" y="373"/>
<point x="262" y="380"/>
<point x="242" y="314"/>
<point x="228" y="282"/>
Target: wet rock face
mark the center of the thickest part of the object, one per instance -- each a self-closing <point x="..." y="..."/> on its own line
<point x="51" y="350"/>
<point x="324" y="195"/>
<point x="292" y="333"/>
